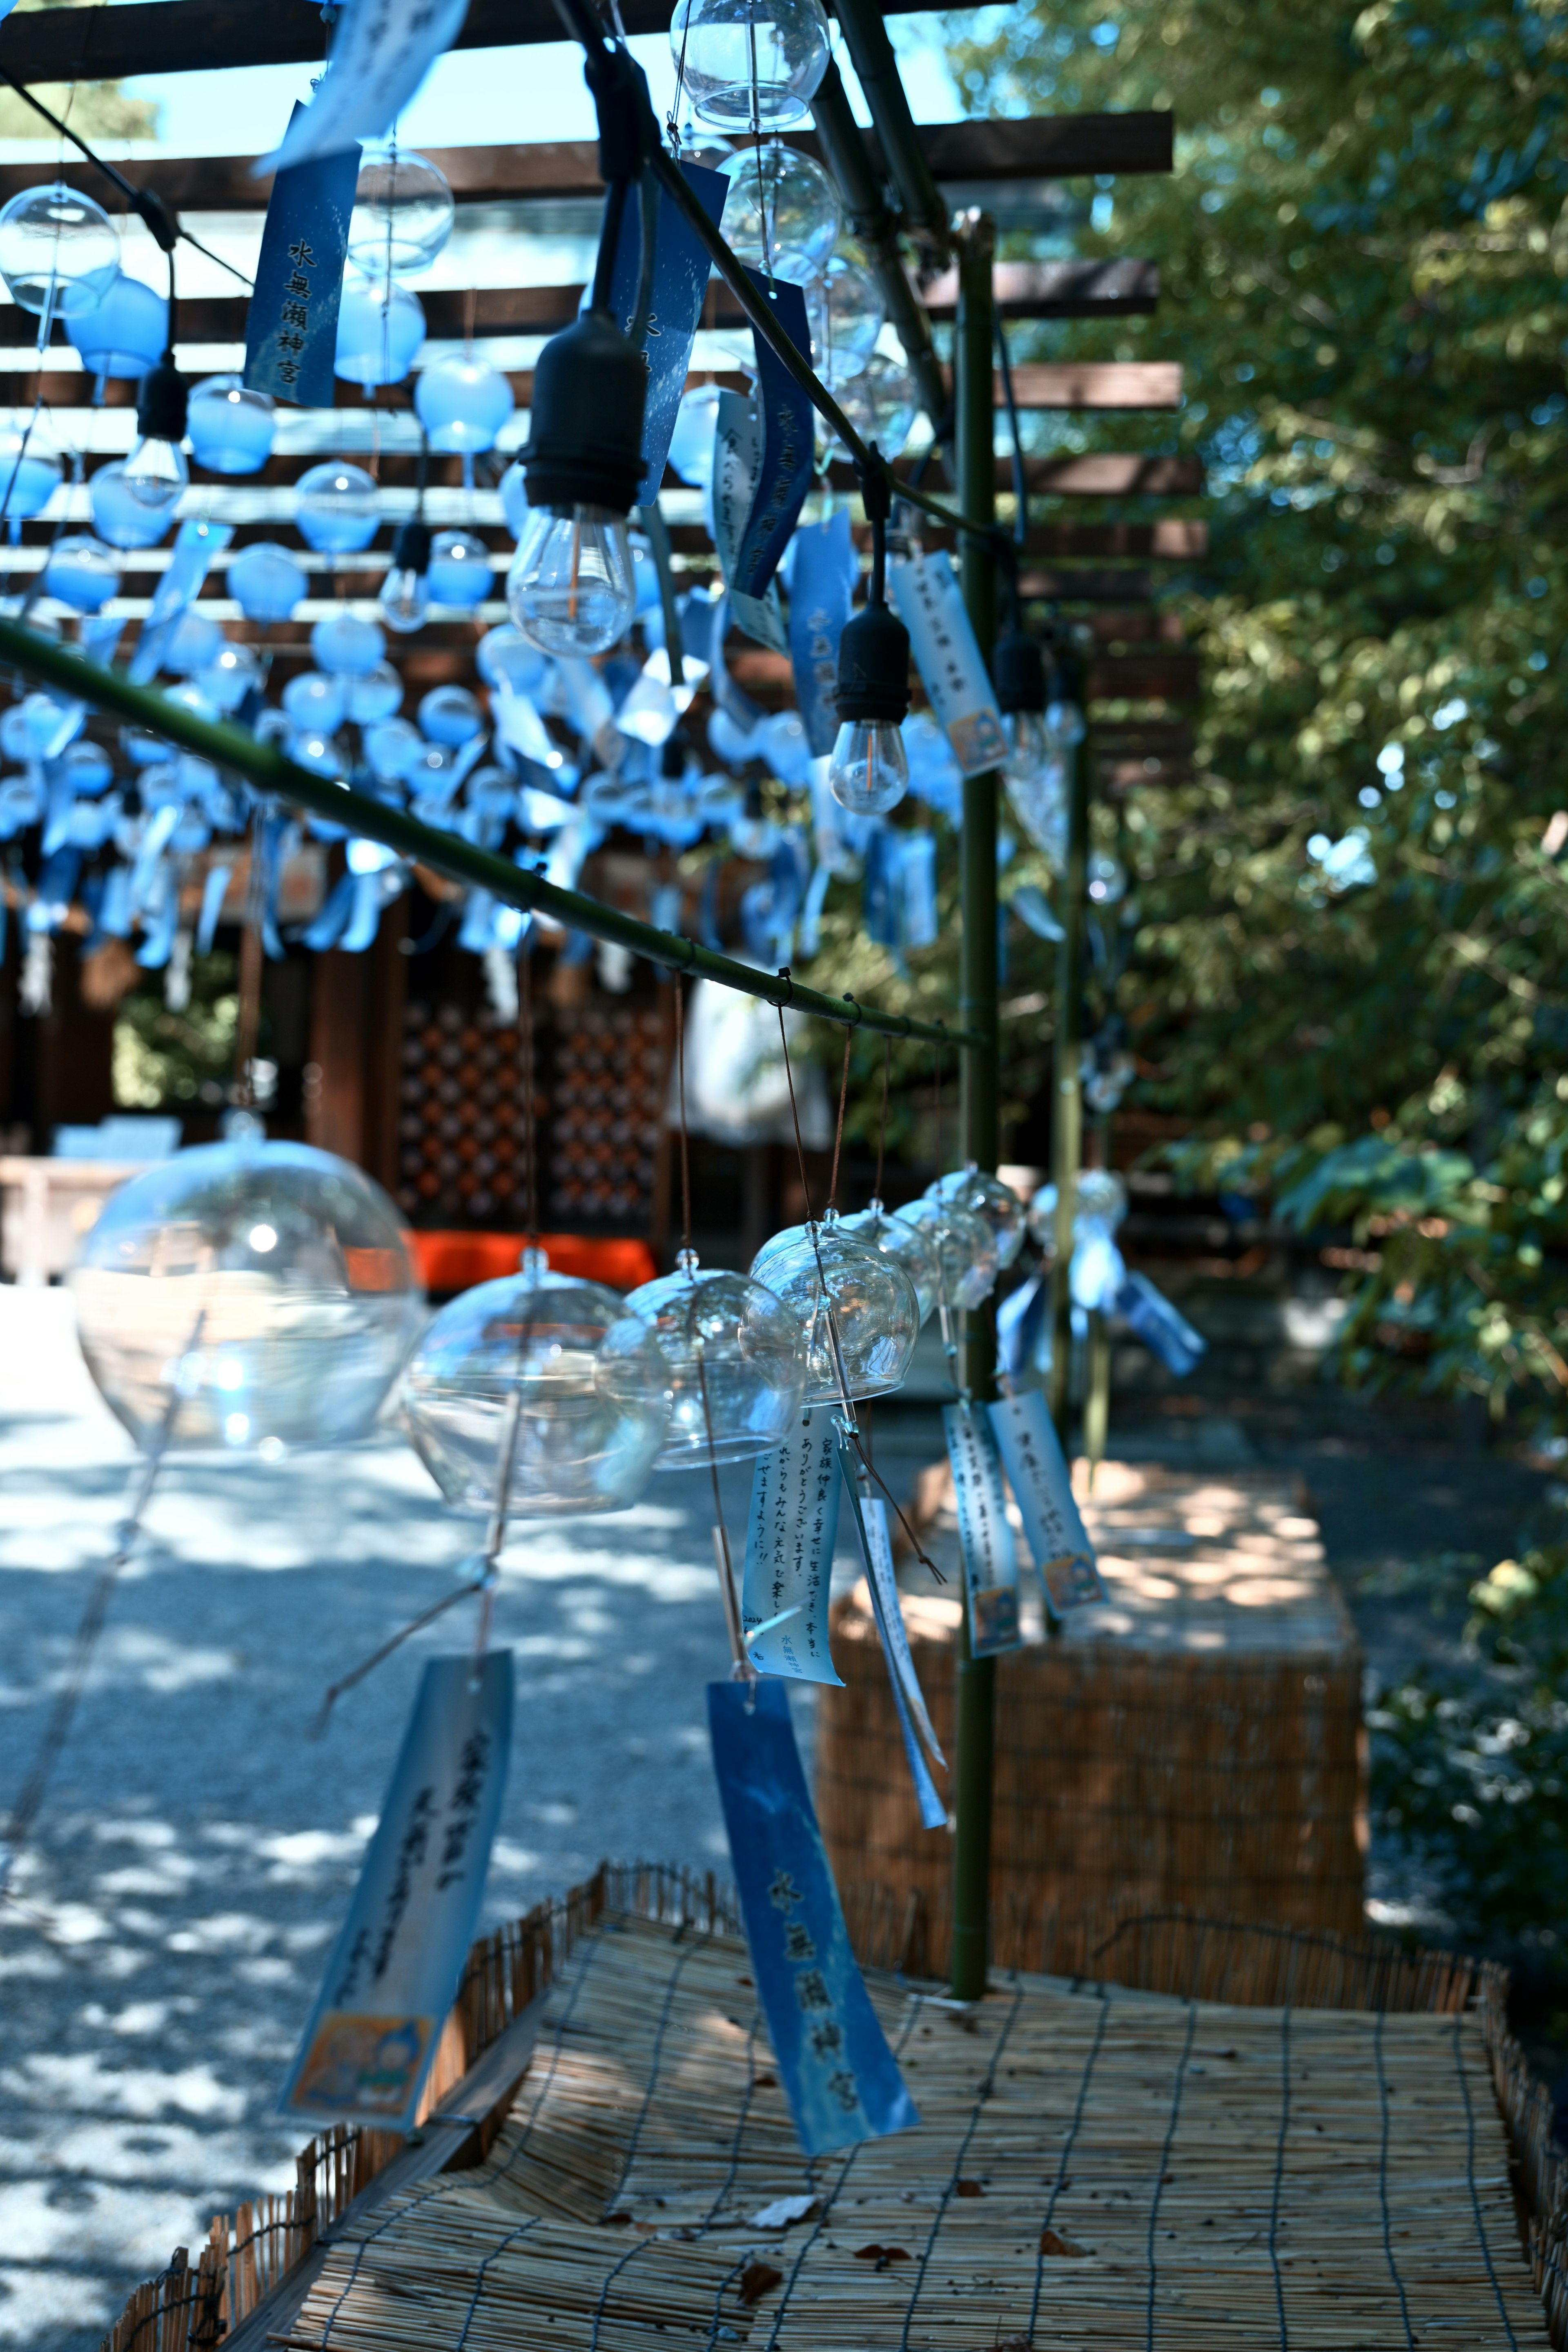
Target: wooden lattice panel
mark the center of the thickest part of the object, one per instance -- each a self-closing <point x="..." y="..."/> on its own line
<point x="600" y="1077"/>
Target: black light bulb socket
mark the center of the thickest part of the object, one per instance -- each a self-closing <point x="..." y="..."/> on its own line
<point x="874" y="667"/>
<point x="162" y="402"/>
<point x="411" y="547"/>
<point x="585" y="442"/>
<point x="1018" y="673"/>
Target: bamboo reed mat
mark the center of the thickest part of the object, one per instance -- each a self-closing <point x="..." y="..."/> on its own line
<point x="1096" y="2168"/>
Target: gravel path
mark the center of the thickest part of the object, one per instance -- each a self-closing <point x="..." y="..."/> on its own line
<point x="198" y="1847"/>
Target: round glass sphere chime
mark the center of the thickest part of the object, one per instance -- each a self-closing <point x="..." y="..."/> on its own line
<point x="911" y="1245"/>
<point x="964" y="1242"/>
<point x="60" y="252"/>
<point x="750" y="64"/>
<point x="552" y="1379"/>
<point x="269" y="1282"/>
<point x="855" y="1306"/>
<point x="734" y="1364"/>
<point x="985" y="1197"/>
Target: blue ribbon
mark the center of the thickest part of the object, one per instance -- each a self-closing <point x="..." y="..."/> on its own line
<point x="788" y="424"/>
<point x="839" y="2076"/>
<point x="822" y="585"/>
<point x="292" y="332"/>
<point x="680" y="273"/>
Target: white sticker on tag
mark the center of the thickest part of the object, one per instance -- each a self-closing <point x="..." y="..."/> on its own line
<point x="990" y="1559"/>
<point x="1042" y="1486"/>
<point x="790" y="1535"/>
<point x="948" y="657"/>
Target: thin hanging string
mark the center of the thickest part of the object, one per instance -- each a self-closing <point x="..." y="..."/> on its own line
<point x="247" y="1025"/>
<point x="685" y="1152"/>
<point x="838" y="1133"/>
<point x="883" y="1129"/>
<point x="848" y="1417"/>
<point x="25" y="1812"/>
<point x="525" y="1045"/>
<point x="743" y="1669"/>
<point x="483" y="1583"/>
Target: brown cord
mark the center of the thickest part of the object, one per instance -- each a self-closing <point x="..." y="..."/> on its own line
<point x="851" y="1431"/>
<point x="525" y="1043"/>
<point x="684" y="1152"/>
<point x="838" y="1132"/>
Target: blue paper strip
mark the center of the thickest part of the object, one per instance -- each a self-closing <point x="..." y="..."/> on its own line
<point x="841" y="2079"/>
<point x="947" y="655"/>
<point x="985" y="1539"/>
<point x="933" y="1811"/>
<point x="197" y="544"/>
<point x="291" y="331"/>
<point x="787" y="433"/>
<point x="680" y="272"/>
<point x="395" y="1967"/>
<point x="1042" y="1488"/>
<point x="822" y="585"/>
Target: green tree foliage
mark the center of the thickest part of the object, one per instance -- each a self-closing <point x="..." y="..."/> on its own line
<point x="1349" y="973"/>
<point x="1354" y="917"/>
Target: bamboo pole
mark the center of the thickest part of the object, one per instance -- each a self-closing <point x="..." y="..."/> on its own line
<point x="1067" y="1121"/>
<point x="975" y="430"/>
<point x="270" y="771"/>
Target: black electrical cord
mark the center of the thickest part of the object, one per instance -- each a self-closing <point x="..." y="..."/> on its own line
<point x="163" y="224"/>
<point x="600" y="60"/>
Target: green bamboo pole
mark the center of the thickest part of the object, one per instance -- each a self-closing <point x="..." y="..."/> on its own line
<point x="1067" y="1121"/>
<point x="270" y="771"/>
<point x="974" y="447"/>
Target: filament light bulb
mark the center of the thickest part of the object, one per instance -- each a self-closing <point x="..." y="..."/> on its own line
<point x="571" y="589"/>
<point x="406" y="590"/>
<point x="870" y="770"/>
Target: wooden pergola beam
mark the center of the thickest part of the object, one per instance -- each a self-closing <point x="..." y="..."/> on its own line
<point x="1044" y="147"/>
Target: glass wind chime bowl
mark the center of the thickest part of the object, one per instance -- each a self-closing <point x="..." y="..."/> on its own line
<point x="725" y="1335"/>
<point x="750" y="64"/>
<point x="964" y="1244"/>
<point x="835" y="1285"/>
<point x="783" y="215"/>
<point x="272" y="1283"/>
<point x="986" y="1197"/>
<point x="580" y="1376"/>
<point x="910" y="1245"/>
<point x="60" y="252"/>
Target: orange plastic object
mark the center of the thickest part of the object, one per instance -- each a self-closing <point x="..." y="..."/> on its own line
<point x="456" y="1261"/>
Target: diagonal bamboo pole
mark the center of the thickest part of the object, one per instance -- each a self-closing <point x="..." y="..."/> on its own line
<point x="270" y="771"/>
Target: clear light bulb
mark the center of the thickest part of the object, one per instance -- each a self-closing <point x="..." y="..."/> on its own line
<point x="1064" y="725"/>
<point x="404" y="598"/>
<point x="870" y="770"/>
<point x="155" y="472"/>
<point x="571" y="588"/>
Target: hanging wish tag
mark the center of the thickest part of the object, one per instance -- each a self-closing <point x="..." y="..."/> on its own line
<point x="990" y="1559"/>
<point x="1042" y="1488"/>
<point x="880" y="1548"/>
<point x="821" y="588"/>
<point x="381" y="52"/>
<point x="680" y="272"/>
<point x="787" y="437"/>
<point x="736" y="459"/>
<point x="790" y="1536"/>
<point x="841" y="2079"/>
<point x="395" y="1967"/>
<point x="197" y="544"/>
<point x="291" y="329"/>
<point x="933" y="1811"/>
<point x="947" y="656"/>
